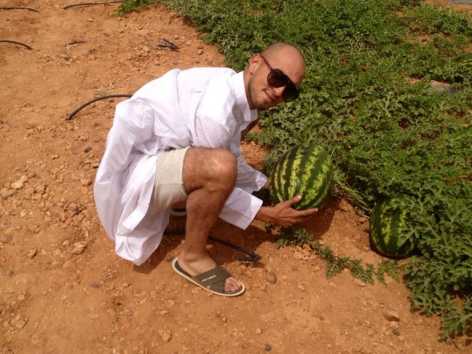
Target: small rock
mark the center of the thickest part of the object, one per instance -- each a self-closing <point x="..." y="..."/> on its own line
<point x="165" y="334"/>
<point x="258" y="331"/>
<point x="32" y="253"/>
<point x="363" y="219"/>
<point x="6" y="193"/>
<point x="360" y="283"/>
<point x="391" y="316"/>
<point x="79" y="247"/>
<point x="86" y="182"/>
<point x="68" y="264"/>
<point x="200" y="51"/>
<point x="19" y="183"/>
<point x="18" y="322"/>
<point x="271" y="277"/>
<point x="5" y="238"/>
<point x="94" y="285"/>
<point x="344" y="205"/>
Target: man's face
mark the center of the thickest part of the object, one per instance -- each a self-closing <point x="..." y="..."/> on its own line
<point x="261" y="95"/>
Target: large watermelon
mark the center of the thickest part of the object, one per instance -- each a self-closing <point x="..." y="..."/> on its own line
<point x="389" y="232"/>
<point x="307" y="171"/>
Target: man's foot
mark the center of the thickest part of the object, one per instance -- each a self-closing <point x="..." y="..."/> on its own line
<point x="205" y="273"/>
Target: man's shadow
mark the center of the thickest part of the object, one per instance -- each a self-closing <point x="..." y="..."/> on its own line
<point x="249" y="239"/>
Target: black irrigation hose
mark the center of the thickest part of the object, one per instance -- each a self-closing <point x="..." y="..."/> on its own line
<point x="91" y="4"/>
<point x="70" y="116"/>
<point x="17" y="8"/>
<point x="15" y="42"/>
<point x="250" y="255"/>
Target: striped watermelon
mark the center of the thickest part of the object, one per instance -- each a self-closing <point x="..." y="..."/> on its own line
<point x="307" y="171"/>
<point x="389" y="233"/>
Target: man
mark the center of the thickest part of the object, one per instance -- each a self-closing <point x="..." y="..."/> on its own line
<point x="176" y="140"/>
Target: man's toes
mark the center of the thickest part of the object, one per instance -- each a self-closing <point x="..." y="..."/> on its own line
<point x="232" y="284"/>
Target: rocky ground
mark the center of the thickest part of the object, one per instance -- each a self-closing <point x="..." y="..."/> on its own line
<point x="62" y="289"/>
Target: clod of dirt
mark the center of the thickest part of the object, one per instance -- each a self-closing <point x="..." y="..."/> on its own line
<point x="5" y="237"/>
<point x="271" y="277"/>
<point x="6" y="193"/>
<point x="165" y="334"/>
<point x="18" y="322"/>
<point x="391" y="316"/>
<point x="79" y="247"/>
<point x="360" y="283"/>
<point x="19" y="183"/>
<point x="32" y="253"/>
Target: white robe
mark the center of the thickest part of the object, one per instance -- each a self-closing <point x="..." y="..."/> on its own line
<point x="200" y="107"/>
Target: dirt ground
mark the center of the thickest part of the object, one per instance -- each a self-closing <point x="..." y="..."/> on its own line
<point x="63" y="290"/>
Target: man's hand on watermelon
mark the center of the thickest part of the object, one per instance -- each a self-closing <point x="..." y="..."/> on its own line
<point x="284" y="214"/>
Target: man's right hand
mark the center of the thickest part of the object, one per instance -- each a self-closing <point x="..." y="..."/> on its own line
<point x="284" y="214"/>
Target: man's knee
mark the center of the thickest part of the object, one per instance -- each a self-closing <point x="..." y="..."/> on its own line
<point x="224" y="165"/>
<point x="214" y="168"/>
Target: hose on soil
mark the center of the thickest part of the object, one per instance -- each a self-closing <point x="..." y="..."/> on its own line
<point x="83" y="4"/>
<point x="18" y="8"/>
<point x="71" y="115"/>
<point x="15" y="42"/>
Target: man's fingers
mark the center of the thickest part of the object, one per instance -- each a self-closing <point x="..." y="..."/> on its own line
<point x="294" y="200"/>
<point x="307" y="212"/>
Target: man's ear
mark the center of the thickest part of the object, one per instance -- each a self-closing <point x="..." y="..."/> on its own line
<point x="253" y="63"/>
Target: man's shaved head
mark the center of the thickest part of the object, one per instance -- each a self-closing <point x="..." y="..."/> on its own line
<point x="280" y="50"/>
<point x="282" y="56"/>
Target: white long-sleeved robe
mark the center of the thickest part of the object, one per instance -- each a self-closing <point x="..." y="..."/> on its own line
<point x="200" y="107"/>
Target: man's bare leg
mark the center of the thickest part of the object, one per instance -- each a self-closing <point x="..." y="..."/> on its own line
<point x="209" y="176"/>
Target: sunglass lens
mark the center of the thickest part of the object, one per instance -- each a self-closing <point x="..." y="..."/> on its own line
<point x="277" y="78"/>
<point x="290" y="92"/>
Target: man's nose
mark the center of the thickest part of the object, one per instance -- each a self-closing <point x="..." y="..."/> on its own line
<point x="279" y="91"/>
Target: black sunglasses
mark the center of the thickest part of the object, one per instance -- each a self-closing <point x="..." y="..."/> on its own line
<point x="277" y="78"/>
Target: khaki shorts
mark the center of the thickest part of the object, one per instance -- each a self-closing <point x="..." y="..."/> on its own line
<point x="169" y="184"/>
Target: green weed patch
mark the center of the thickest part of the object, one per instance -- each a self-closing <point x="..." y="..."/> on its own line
<point x="368" y="97"/>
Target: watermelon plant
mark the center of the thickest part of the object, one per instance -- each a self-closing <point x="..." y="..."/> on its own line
<point x="305" y="171"/>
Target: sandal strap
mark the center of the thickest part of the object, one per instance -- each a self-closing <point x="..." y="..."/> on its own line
<point x="214" y="279"/>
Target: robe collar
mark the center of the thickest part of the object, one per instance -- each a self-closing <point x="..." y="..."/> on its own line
<point x="237" y="85"/>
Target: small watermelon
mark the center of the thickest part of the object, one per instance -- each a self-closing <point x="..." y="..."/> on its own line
<point x="389" y="233"/>
<point x="305" y="171"/>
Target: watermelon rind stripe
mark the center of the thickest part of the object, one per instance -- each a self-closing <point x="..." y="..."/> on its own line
<point x="309" y="158"/>
<point x="393" y="246"/>
<point x="288" y="176"/>
<point x="326" y="178"/>
<point x="278" y="178"/>
<point x="296" y="172"/>
<point x="385" y="228"/>
<point x="314" y="180"/>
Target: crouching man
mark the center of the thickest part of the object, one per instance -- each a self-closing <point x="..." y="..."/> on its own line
<point x="176" y="140"/>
